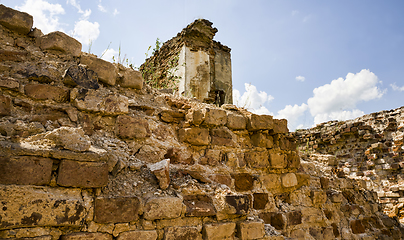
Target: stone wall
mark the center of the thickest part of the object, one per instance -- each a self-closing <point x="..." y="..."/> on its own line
<point x="368" y="148"/>
<point x="193" y="65"/>
<point x="87" y="151"/>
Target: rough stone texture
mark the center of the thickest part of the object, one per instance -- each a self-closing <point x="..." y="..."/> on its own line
<point x="215" y="117"/>
<point x="87" y="236"/>
<point x="199" y="205"/>
<point x="144" y="235"/>
<point x="9" y="83"/>
<point x="236" y="121"/>
<point x="243" y="182"/>
<point x="132" y="127"/>
<point x="289" y="180"/>
<point x="261" y="140"/>
<point x="46" y="92"/>
<point x="260" y="200"/>
<point x="15" y="20"/>
<point x="77" y="75"/>
<point x="241" y="203"/>
<point x="130" y="78"/>
<point x="259" y="122"/>
<point x="277" y="160"/>
<point x="163" y="208"/>
<point x="162" y="172"/>
<point x="219" y="231"/>
<point x="195" y="136"/>
<point x="222" y="137"/>
<point x="271" y="181"/>
<point x="60" y="42"/>
<point x="106" y="71"/>
<point x="25" y="170"/>
<point x="182" y="233"/>
<point x="82" y="174"/>
<point x="257" y="159"/>
<point x="250" y="230"/>
<point x="5" y="106"/>
<point x="28" y="206"/>
<point x="115" y="210"/>
<point x="68" y="138"/>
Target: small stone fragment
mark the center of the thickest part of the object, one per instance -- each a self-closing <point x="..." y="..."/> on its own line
<point x="162" y="173"/>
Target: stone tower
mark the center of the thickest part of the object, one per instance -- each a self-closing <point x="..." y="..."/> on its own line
<point x="193" y="65"/>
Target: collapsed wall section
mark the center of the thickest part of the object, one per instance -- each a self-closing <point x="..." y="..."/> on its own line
<point x="89" y="152"/>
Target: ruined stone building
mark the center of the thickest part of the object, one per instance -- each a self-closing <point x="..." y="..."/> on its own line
<point x="193" y="64"/>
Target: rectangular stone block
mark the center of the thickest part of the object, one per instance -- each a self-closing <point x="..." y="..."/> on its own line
<point x="5" y="106"/>
<point x="132" y="127"/>
<point x="25" y="170"/>
<point x="82" y="174"/>
<point x="260" y="200"/>
<point x="257" y="159"/>
<point x="219" y="231"/>
<point x="277" y="220"/>
<point x="194" y="136"/>
<point x="243" y="181"/>
<point x="87" y="236"/>
<point x="250" y="230"/>
<point x="241" y="203"/>
<point x="163" y="208"/>
<point x="46" y="92"/>
<point x="29" y="206"/>
<point x="259" y="122"/>
<point x="236" y="121"/>
<point x="182" y="233"/>
<point x="20" y="22"/>
<point x="289" y="180"/>
<point x="215" y="117"/>
<point x="144" y="235"/>
<point x="270" y="181"/>
<point x="277" y="160"/>
<point x="106" y="71"/>
<point x="114" y="210"/>
<point x="199" y="205"/>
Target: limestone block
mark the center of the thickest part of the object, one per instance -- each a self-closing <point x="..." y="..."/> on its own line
<point x="195" y="116"/>
<point x="9" y="83"/>
<point x="68" y="138"/>
<point x="223" y="137"/>
<point x="357" y="226"/>
<point x="106" y="71"/>
<point x="131" y="79"/>
<point x="261" y="140"/>
<point x="5" y="105"/>
<point x="257" y="159"/>
<point x="236" y="121"/>
<point x="277" y="220"/>
<point x="13" y="56"/>
<point x="194" y="136"/>
<point x="61" y="42"/>
<point x="77" y="75"/>
<point x="29" y="206"/>
<point x="162" y="172"/>
<point x="116" y="209"/>
<point x="250" y="230"/>
<point x="259" y="122"/>
<point x="199" y="206"/>
<point x="289" y="180"/>
<point x="318" y="196"/>
<point x="270" y="181"/>
<point x="82" y="174"/>
<point x="280" y="126"/>
<point x="163" y="208"/>
<point x="132" y="127"/>
<point x="86" y="236"/>
<point x="25" y="170"/>
<point x="179" y="156"/>
<point x="15" y="20"/>
<point x="277" y="159"/>
<point x="293" y="160"/>
<point x="219" y="231"/>
<point x="212" y="157"/>
<point x="215" y="117"/>
<point x="260" y="200"/>
<point x="168" y="115"/>
<point x="46" y="92"/>
<point x="243" y="181"/>
<point x="224" y="179"/>
<point x="241" y="203"/>
<point x="144" y="235"/>
<point x="182" y="233"/>
<point x="179" y="222"/>
<point x="294" y="218"/>
<point x="312" y="215"/>
<point x="101" y="100"/>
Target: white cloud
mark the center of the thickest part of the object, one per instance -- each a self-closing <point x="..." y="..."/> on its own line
<point x="86" y="32"/>
<point x="337" y="100"/>
<point x="44" y="13"/>
<point x="101" y="8"/>
<point x="252" y="99"/>
<point x="76" y="5"/>
<point x="109" y="53"/>
<point x="292" y="114"/>
<point x="300" y="78"/>
<point x="116" y="12"/>
<point x="396" y="88"/>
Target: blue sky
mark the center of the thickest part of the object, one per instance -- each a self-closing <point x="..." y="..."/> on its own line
<point x="307" y="61"/>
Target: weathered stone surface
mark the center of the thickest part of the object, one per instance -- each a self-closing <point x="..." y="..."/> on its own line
<point x="162" y="172"/>
<point x="195" y="116"/>
<point x="215" y="117"/>
<point x="141" y="235"/>
<point x="260" y="200"/>
<point x="240" y="202"/>
<point x="5" y="105"/>
<point x="163" y="208"/>
<point x="271" y="181"/>
<point x="293" y="160"/>
<point x="212" y="157"/>
<point x="46" y="92"/>
<point x="168" y="115"/>
<point x="106" y="71"/>
<point x="357" y="226"/>
<point x="13" y="56"/>
<point x="277" y="159"/>
<point x="236" y="121"/>
<point x="115" y="210"/>
<point x="59" y="41"/>
<point x="20" y="22"/>
<point x="25" y="170"/>
<point x="28" y="206"/>
<point x="222" y="179"/>
<point x="100" y="100"/>
<point x="87" y="236"/>
<point x="77" y="75"/>
<point x="261" y="140"/>
<point x="219" y="231"/>
<point x="277" y="220"/>
<point x="132" y="127"/>
<point x="182" y="233"/>
<point x="9" y="83"/>
<point x="280" y="126"/>
<point x="82" y="174"/>
<point x="257" y="159"/>
<point x="131" y="78"/>
<point x="294" y="218"/>
<point x="289" y="180"/>
<point x="179" y="156"/>
<point x="318" y="196"/>
<point x="243" y="181"/>
<point x="222" y="137"/>
<point x="259" y="122"/>
<point x="199" y="205"/>
<point x="194" y="136"/>
<point x="250" y="230"/>
<point x="68" y="138"/>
